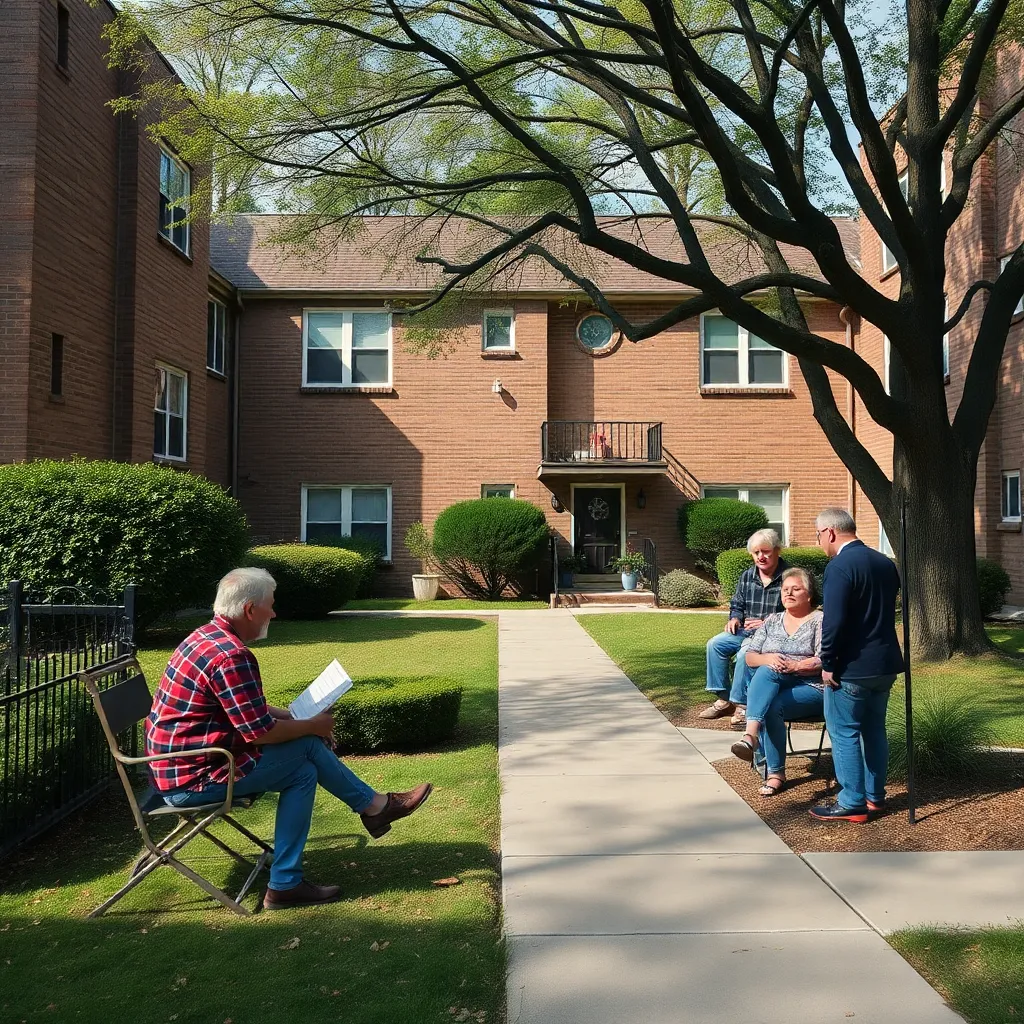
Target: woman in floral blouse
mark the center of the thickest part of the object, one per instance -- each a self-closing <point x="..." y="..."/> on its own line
<point x="785" y="656"/>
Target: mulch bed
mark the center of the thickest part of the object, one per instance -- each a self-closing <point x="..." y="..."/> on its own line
<point x="986" y="813"/>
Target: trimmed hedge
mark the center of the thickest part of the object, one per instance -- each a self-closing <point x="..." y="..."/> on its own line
<point x="405" y="714"/>
<point x="102" y="525"/>
<point x="680" y="589"/>
<point x="710" y="526"/>
<point x="369" y="551"/>
<point x="730" y="565"/>
<point x="993" y="586"/>
<point x="485" y="546"/>
<point x="312" y="579"/>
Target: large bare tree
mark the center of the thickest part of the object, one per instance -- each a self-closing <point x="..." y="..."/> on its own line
<point x="531" y="118"/>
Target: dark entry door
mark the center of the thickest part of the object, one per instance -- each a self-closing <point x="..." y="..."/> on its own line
<point x="597" y="512"/>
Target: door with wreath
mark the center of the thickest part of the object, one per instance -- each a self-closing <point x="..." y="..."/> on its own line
<point x="597" y="514"/>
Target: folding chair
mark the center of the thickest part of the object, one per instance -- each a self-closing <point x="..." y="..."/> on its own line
<point x="761" y="766"/>
<point x="122" y="706"/>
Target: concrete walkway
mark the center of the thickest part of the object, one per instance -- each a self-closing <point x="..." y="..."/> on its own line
<point x="638" y="887"/>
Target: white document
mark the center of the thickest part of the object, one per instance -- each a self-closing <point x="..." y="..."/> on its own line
<point x="322" y="692"/>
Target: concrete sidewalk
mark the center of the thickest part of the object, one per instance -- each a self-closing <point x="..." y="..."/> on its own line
<point x="638" y="887"/>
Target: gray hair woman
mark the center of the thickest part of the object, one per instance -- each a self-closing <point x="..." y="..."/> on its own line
<point x="785" y="653"/>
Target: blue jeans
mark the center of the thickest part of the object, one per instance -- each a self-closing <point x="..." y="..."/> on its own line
<point x="720" y="651"/>
<point x="855" y="714"/>
<point x="775" y="698"/>
<point x="293" y="770"/>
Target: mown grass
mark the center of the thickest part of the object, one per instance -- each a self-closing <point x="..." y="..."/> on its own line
<point x="391" y="604"/>
<point x="165" y="953"/>
<point x="664" y="656"/>
<point x="979" y="973"/>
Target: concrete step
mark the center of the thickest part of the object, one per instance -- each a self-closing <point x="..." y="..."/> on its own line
<point x="575" y="598"/>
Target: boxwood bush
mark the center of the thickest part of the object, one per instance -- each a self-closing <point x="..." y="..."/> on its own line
<point x="312" y="579"/>
<point x="730" y="565"/>
<point x="371" y="558"/>
<point x="710" y="526"/>
<point x="485" y="546"/>
<point x="993" y="586"/>
<point x="397" y="714"/>
<point x="102" y="525"/>
<point x="680" y="589"/>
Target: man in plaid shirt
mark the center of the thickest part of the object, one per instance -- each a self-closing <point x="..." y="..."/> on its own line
<point x="758" y="594"/>
<point x="211" y="695"/>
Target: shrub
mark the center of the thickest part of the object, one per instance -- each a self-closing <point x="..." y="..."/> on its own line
<point x="714" y="525"/>
<point x="993" y="586"/>
<point x="102" y="525"/>
<point x="730" y="565"/>
<point x="949" y="726"/>
<point x="485" y="546"/>
<point x="312" y="579"/>
<point x="419" y="543"/>
<point x="404" y="714"/>
<point x="370" y="553"/>
<point x="684" y="590"/>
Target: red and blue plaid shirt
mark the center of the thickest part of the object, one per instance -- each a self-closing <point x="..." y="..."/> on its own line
<point x="210" y="696"/>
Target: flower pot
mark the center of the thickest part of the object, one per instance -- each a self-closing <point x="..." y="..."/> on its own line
<point x="629" y="581"/>
<point x="565" y="578"/>
<point x="424" y="586"/>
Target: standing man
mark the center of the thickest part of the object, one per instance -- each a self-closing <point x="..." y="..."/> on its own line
<point x="211" y="695"/>
<point x="860" y="659"/>
<point x="758" y="595"/>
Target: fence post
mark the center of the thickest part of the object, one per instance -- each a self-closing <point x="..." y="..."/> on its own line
<point x="128" y="622"/>
<point x="15" y="597"/>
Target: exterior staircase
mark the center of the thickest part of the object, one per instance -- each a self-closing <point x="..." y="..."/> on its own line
<point x="601" y="589"/>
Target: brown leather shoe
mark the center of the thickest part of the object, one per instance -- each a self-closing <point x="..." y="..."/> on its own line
<point x="305" y="894"/>
<point x="718" y="710"/>
<point x="399" y="805"/>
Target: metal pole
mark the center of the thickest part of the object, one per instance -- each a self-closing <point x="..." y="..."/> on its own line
<point x="908" y="685"/>
<point x="14" y="593"/>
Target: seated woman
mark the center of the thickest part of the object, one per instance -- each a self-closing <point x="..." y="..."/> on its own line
<point x="785" y="658"/>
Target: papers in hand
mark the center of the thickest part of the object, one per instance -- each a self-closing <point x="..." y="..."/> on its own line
<point x="322" y="692"/>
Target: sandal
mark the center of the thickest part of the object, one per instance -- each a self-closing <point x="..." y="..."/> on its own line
<point x="744" y="748"/>
<point x="769" y="790"/>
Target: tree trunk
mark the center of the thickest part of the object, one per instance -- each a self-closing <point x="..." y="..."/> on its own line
<point x="937" y="484"/>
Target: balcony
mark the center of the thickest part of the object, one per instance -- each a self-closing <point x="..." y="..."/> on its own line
<point x="599" y="447"/>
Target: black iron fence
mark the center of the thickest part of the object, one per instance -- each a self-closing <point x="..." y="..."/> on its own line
<point x="595" y="440"/>
<point x="650" y="553"/>
<point x="53" y="755"/>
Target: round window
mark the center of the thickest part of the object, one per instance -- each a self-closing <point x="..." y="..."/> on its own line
<point x="595" y="331"/>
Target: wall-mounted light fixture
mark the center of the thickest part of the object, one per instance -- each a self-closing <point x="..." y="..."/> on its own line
<point x="556" y="504"/>
<point x="496" y="387"/>
<point x="641" y="499"/>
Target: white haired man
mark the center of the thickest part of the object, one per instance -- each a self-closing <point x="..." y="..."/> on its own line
<point x="758" y="595"/>
<point x="211" y="694"/>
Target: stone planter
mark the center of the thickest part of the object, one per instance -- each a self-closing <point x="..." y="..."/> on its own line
<point x="424" y="586"/>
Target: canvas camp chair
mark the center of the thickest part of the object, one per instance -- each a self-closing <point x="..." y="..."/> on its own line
<point x="122" y="706"/>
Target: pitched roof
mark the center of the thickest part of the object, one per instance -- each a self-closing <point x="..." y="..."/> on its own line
<point x="379" y="255"/>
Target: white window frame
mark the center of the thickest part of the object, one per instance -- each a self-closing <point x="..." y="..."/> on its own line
<point x="511" y="346"/>
<point x="346" y="508"/>
<point x="889" y="261"/>
<point x="884" y="544"/>
<point x="1007" y="476"/>
<point x="183" y="374"/>
<point x="220" y="323"/>
<point x="886" y="356"/>
<point x="942" y="177"/>
<point x="945" y="341"/>
<point x="1019" y="308"/>
<point x="169" y="234"/>
<point x="743" y="357"/>
<point x="346" y="346"/>
<point x="743" y="490"/>
<point x="484" y="488"/>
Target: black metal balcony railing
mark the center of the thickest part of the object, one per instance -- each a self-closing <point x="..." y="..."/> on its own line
<point x="586" y="441"/>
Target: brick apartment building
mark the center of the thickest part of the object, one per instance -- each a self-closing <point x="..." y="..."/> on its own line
<point x="293" y="381"/>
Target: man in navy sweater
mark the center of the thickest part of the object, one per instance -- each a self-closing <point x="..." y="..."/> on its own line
<point x="860" y="659"/>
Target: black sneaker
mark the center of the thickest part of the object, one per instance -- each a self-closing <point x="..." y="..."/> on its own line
<point x="836" y="812"/>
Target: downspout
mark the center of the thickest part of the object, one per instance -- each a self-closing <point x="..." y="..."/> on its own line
<point x="117" y="287"/>
<point x="845" y="317"/>
<point x="233" y="393"/>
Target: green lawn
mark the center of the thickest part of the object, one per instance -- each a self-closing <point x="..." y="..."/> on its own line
<point x="164" y="954"/>
<point x="390" y="604"/>
<point x="980" y="974"/>
<point x="664" y="656"/>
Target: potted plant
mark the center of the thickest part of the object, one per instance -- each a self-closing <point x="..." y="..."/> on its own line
<point x="568" y="566"/>
<point x="421" y="546"/>
<point x="631" y="564"/>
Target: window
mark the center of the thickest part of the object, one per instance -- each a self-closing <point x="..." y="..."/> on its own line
<point x="216" y="334"/>
<point x="883" y="541"/>
<point x="888" y="259"/>
<point x="63" y="36"/>
<point x="499" y="331"/>
<point x="1020" y="302"/>
<point x="175" y="187"/>
<point x="170" y="414"/>
<point x="945" y="341"/>
<point x="730" y="354"/>
<point x="358" y="511"/>
<point x="774" y="500"/>
<point x="57" y="365"/>
<point x="498" y="491"/>
<point x="1010" y="503"/>
<point x="886" y="356"/>
<point x="596" y="333"/>
<point x="346" y="348"/>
